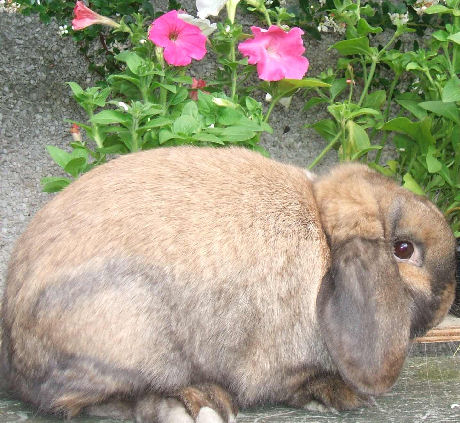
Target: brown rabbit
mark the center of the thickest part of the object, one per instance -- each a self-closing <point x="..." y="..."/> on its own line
<point x="178" y="284"/>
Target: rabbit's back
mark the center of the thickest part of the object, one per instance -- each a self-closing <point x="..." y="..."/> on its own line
<point x="152" y="255"/>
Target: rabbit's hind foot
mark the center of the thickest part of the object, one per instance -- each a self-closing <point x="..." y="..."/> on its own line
<point x="328" y="393"/>
<point x="205" y="403"/>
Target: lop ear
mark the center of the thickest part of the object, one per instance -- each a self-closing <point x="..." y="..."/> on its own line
<point x="364" y="314"/>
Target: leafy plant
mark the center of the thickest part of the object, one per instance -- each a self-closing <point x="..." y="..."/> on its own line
<point x="151" y="102"/>
<point x="427" y="160"/>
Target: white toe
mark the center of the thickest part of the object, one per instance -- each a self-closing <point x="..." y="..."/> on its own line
<point x="208" y="415"/>
<point x="173" y="411"/>
<point x="319" y="407"/>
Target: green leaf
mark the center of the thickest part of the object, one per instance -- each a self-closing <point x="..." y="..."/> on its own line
<point x="363" y="111"/>
<point x="165" y="135"/>
<point x="440" y="35"/>
<point x="432" y="163"/>
<point x="110" y="116"/>
<point x="132" y="60"/>
<point x="412" y="185"/>
<point x="447" y="110"/>
<point x="413" y="107"/>
<point x="169" y="87"/>
<point x="327" y="128"/>
<point x="185" y="125"/>
<point x="229" y="116"/>
<point x="61" y="157"/>
<point x="455" y="37"/>
<point x="364" y="28"/>
<point x="375" y="100"/>
<point x="180" y="96"/>
<point x="190" y="109"/>
<point x="131" y="79"/>
<point x="337" y="87"/>
<point x="357" y="136"/>
<point x="413" y="66"/>
<point x="76" y="89"/>
<point x="437" y="9"/>
<point x="418" y="131"/>
<point x="237" y="133"/>
<point x="313" y="102"/>
<point x="354" y="46"/>
<point x="157" y="122"/>
<point x="364" y="151"/>
<point x="204" y="137"/>
<point x="383" y="170"/>
<point x="54" y="184"/>
<point x="285" y="86"/>
<point x="451" y="91"/>
<point x="75" y="166"/>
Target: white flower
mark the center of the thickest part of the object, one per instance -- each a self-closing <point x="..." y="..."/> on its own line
<point x="209" y="7"/>
<point x="63" y="30"/>
<point x="142" y="41"/>
<point x="207" y="28"/>
<point x="268" y="97"/>
<point x="123" y="105"/>
<point x="322" y="2"/>
<point x="399" y="19"/>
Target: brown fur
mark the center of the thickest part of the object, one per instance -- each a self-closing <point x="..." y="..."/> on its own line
<point x="165" y="271"/>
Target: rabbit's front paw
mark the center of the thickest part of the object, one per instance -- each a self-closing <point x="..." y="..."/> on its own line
<point x="328" y="394"/>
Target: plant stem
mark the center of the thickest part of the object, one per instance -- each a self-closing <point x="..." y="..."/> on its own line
<point x="270" y="108"/>
<point x="325" y="150"/>
<point x="447" y="56"/>
<point x="368" y="82"/>
<point x="134" y="135"/>
<point x="95" y="128"/>
<point x="266" y="16"/>
<point x="385" y="116"/>
<point x="234" y="74"/>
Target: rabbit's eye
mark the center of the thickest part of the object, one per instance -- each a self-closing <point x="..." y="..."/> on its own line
<point x="403" y="250"/>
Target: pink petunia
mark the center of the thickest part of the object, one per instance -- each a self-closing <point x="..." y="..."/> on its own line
<point x="84" y="17"/>
<point x="197" y="84"/>
<point x="277" y="53"/>
<point x="182" y="41"/>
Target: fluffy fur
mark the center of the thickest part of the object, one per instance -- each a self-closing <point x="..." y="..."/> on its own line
<point x="182" y="283"/>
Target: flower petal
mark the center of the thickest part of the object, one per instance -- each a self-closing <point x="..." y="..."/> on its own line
<point x="181" y="40"/>
<point x="209" y="7"/>
<point x="278" y="54"/>
<point x="175" y="56"/>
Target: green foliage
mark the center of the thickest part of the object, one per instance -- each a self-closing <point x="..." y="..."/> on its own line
<point x="148" y="104"/>
<point x="426" y="132"/>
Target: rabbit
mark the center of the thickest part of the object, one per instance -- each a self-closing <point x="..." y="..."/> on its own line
<point x="182" y="284"/>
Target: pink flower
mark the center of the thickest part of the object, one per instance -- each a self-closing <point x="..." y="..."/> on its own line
<point x="85" y="17"/>
<point x="197" y="84"/>
<point x="278" y="54"/>
<point x="182" y="41"/>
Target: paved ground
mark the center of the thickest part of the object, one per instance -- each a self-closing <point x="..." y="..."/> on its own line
<point x="427" y="391"/>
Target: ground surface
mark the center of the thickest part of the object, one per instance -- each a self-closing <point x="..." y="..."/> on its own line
<point x="427" y="391"/>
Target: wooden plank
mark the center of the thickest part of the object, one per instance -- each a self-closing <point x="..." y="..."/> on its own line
<point x="446" y="331"/>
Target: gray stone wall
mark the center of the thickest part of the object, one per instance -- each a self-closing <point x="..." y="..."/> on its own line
<point x="35" y="101"/>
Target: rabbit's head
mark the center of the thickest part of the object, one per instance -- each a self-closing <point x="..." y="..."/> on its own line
<point x="392" y="273"/>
